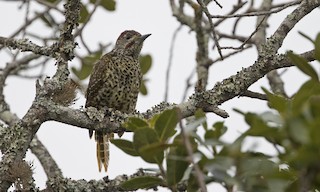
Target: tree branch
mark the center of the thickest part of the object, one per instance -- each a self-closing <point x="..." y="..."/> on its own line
<point x="26" y="45"/>
<point x="174" y="36"/>
<point x="25" y="129"/>
<point x="259" y="13"/>
<point x="231" y="87"/>
<point x="22" y="131"/>
<point x="50" y="167"/>
<point x="66" y="184"/>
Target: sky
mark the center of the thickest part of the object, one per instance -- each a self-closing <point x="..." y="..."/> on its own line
<point x="71" y="147"/>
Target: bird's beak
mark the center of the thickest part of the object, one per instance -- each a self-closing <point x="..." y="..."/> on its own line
<point x="143" y="37"/>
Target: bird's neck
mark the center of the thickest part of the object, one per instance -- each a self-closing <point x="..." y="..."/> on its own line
<point x="122" y="52"/>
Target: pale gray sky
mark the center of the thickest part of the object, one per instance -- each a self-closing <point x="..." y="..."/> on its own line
<point x="71" y="147"/>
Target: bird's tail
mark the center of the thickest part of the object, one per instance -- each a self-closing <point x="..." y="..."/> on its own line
<point x="102" y="140"/>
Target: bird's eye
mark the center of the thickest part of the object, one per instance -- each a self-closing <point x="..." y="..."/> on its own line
<point x="128" y="37"/>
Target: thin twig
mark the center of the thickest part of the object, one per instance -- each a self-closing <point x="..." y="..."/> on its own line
<point x="198" y="173"/>
<point x="248" y="39"/>
<point x="26" y="17"/>
<point x="229" y="55"/>
<point x="282" y="4"/>
<point x="173" y="40"/>
<point x="254" y="95"/>
<point x="49" y="165"/>
<point x="28" y="22"/>
<point x="277" y="148"/>
<point x="234" y="37"/>
<point x="235" y="9"/>
<point x="188" y="85"/>
<point x="85" y="44"/>
<point x="214" y="34"/>
<point x="252" y="14"/>
<point x="218" y="3"/>
<point x="5" y="72"/>
<point x="79" y="31"/>
<point x="50" y="5"/>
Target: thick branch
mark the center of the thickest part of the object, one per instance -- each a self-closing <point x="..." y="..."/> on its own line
<point x="181" y="16"/>
<point x="24" y="130"/>
<point x="66" y="40"/>
<point x="66" y="185"/>
<point x="276" y="40"/>
<point x="207" y="100"/>
<point x="26" y="45"/>
<point x="237" y="84"/>
<point x="202" y="56"/>
<point x="50" y="167"/>
<point x="21" y="134"/>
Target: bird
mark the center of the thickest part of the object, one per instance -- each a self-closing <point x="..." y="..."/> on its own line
<point x="114" y="83"/>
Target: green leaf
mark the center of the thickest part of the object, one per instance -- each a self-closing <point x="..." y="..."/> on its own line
<point x="233" y="149"/>
<point x="219" y="167"/>
<point x="192" y="185"/>
<point x="199" y="114"/>
<point x="176" y="164"/>
<point x="145" y="63"/>
<point x="83" y="13"/>
<point x="143" y="182"/>
<point x="315" y="107"/>
<point x="87" y="64"/>
<point x="146" y="137"/>
<point x="317" y="47"/>
<point x="303" y="65"/>
<point x="125" y="145"/>
<point x="308" y="89"/>
<point x="253" y="166"/>
<point x="255" y="173"/>
<point x="135" y="123"/>
<point x="83" y="73"/>
<point x="178" y="140"/>
<point x="218" y="130"/>
<point x="153" y="120"/>
<point x="271" y="117"/>
<point x="92" y="58"/>
<point x="260" y="128"/>
<point x="193" y="124"/>
<point x="299" y="130"/>
<point x="109" y="5"/>
<point x="166" y="123"/>
<point x="149" y="152"/>
<point x="277" y="102"/>
<point x="143" y="88"/>
<point x="211" y="139"/>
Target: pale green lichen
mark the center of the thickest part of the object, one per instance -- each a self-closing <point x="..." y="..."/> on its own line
<point x="95" y="114"/>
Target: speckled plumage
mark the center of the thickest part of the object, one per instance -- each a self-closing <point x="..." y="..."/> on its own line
<point x="115" y="83"/>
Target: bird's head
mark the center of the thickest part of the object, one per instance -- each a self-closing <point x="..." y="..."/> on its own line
<point x="130" y="43"/>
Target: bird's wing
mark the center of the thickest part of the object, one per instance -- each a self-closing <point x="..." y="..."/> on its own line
<point x="97" y="79"/>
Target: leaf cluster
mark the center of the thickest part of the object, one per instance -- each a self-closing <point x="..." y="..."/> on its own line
<point x="293" y="129"/>
<point x="291" y="126"/>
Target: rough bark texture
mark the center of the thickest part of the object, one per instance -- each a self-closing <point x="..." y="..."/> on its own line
<point x="21" y="132"/>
